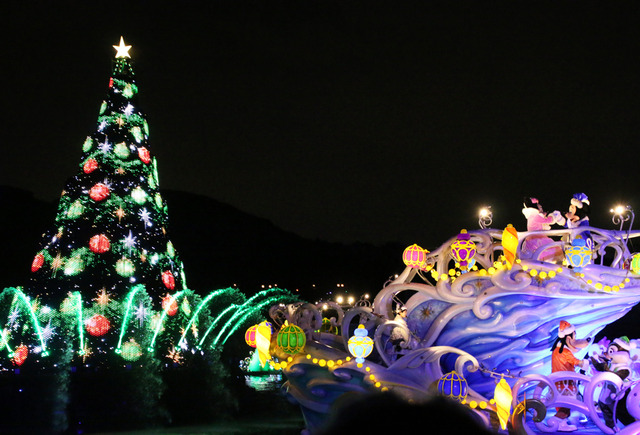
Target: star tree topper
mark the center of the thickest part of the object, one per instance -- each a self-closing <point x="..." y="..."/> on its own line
<point x="122" y="50"/>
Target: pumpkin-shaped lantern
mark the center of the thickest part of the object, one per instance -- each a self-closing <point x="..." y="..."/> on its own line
<point x="291" y="338"/>
<point x="453" y="385"/>
<point x="463" y="250"/>
<point x="414" y="256"/>
<point x="250" y="336"/>
<point x="360" y="344"/>
<point x="170" y="305"/>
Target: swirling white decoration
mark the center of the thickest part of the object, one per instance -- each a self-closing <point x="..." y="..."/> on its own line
<point x="493" y="319"/>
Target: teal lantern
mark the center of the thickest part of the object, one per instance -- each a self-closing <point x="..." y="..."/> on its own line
<point x="453" y="385"/>
<point x="360" y="344"/>
<point x="578" y="254"/>
<point x="291" y="339"/>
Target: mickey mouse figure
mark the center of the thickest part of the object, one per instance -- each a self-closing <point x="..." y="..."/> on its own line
<point x="578" y="216"/>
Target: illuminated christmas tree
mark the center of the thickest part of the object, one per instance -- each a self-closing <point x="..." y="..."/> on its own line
<point x="110" y="231"/>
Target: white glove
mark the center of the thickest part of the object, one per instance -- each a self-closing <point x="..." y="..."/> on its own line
<point x="557" y="216"/>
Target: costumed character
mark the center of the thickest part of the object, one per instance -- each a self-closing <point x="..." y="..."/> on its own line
<point x="562" y="360"/>
<point x="617" y="359"/>
<point x="400" y="334"/>
<point x="578" y="216"/>
<point x="538" y="220"/>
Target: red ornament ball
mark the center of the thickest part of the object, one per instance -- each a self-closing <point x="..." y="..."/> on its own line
<point x="168" y="280"/>
<point x="37" y="263"/>
<point x="99" y="244"/>
<point x="170" y="305"/>
<point x="90" y="165"/>
<point x="99" y="192"/>
<point x="98" y="325"/>
<point x="20" y="354"/>
<point x="144" y="155"/>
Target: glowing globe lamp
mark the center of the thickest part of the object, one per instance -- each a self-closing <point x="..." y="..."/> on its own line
<point x="463" y="250"/>
<point x="131" y="350"/>
<point x="414" y="256"/>
<point x="578" y="254"/>
<point x="170" y="305"/>
<point x="360" y="344"/>
<point x="37" y="263"/>
<point x="502" y="395"/>
<point x="510" y="244"/>
<point x="168" y="280"/>
<point x="635" y="263"/>
<point x="453" y="385"/>
<point x="99" y="244"/>
<point x="250" y="335"/>
<point x="20" y="354"/>
<point x="291" y="339"/>
<point x="99" y="192"/>
<point x="97" y="325"/>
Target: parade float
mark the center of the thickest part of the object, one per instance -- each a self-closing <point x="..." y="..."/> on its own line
<point x="482" y="318"/>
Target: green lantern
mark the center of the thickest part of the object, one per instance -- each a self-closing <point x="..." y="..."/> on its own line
<point x="635" y="263"/>
<point x="125" y="267"/>
<point x="103" y="107"/>
<point x="146" y="127"/>
<point x="88" y="143"/>
<point x="291" y="338"/>
<point x="139" y="195"/>
<point x="122" y="150"/>
<point x="158" y="200"/>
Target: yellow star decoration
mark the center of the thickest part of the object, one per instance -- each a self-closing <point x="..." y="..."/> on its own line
<point x="122" y="50"/>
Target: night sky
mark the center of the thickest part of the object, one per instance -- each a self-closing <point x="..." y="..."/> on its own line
<point x="341" y="120"/>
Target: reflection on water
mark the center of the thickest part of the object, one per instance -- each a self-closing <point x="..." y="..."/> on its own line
<point x="264" y="381"/>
